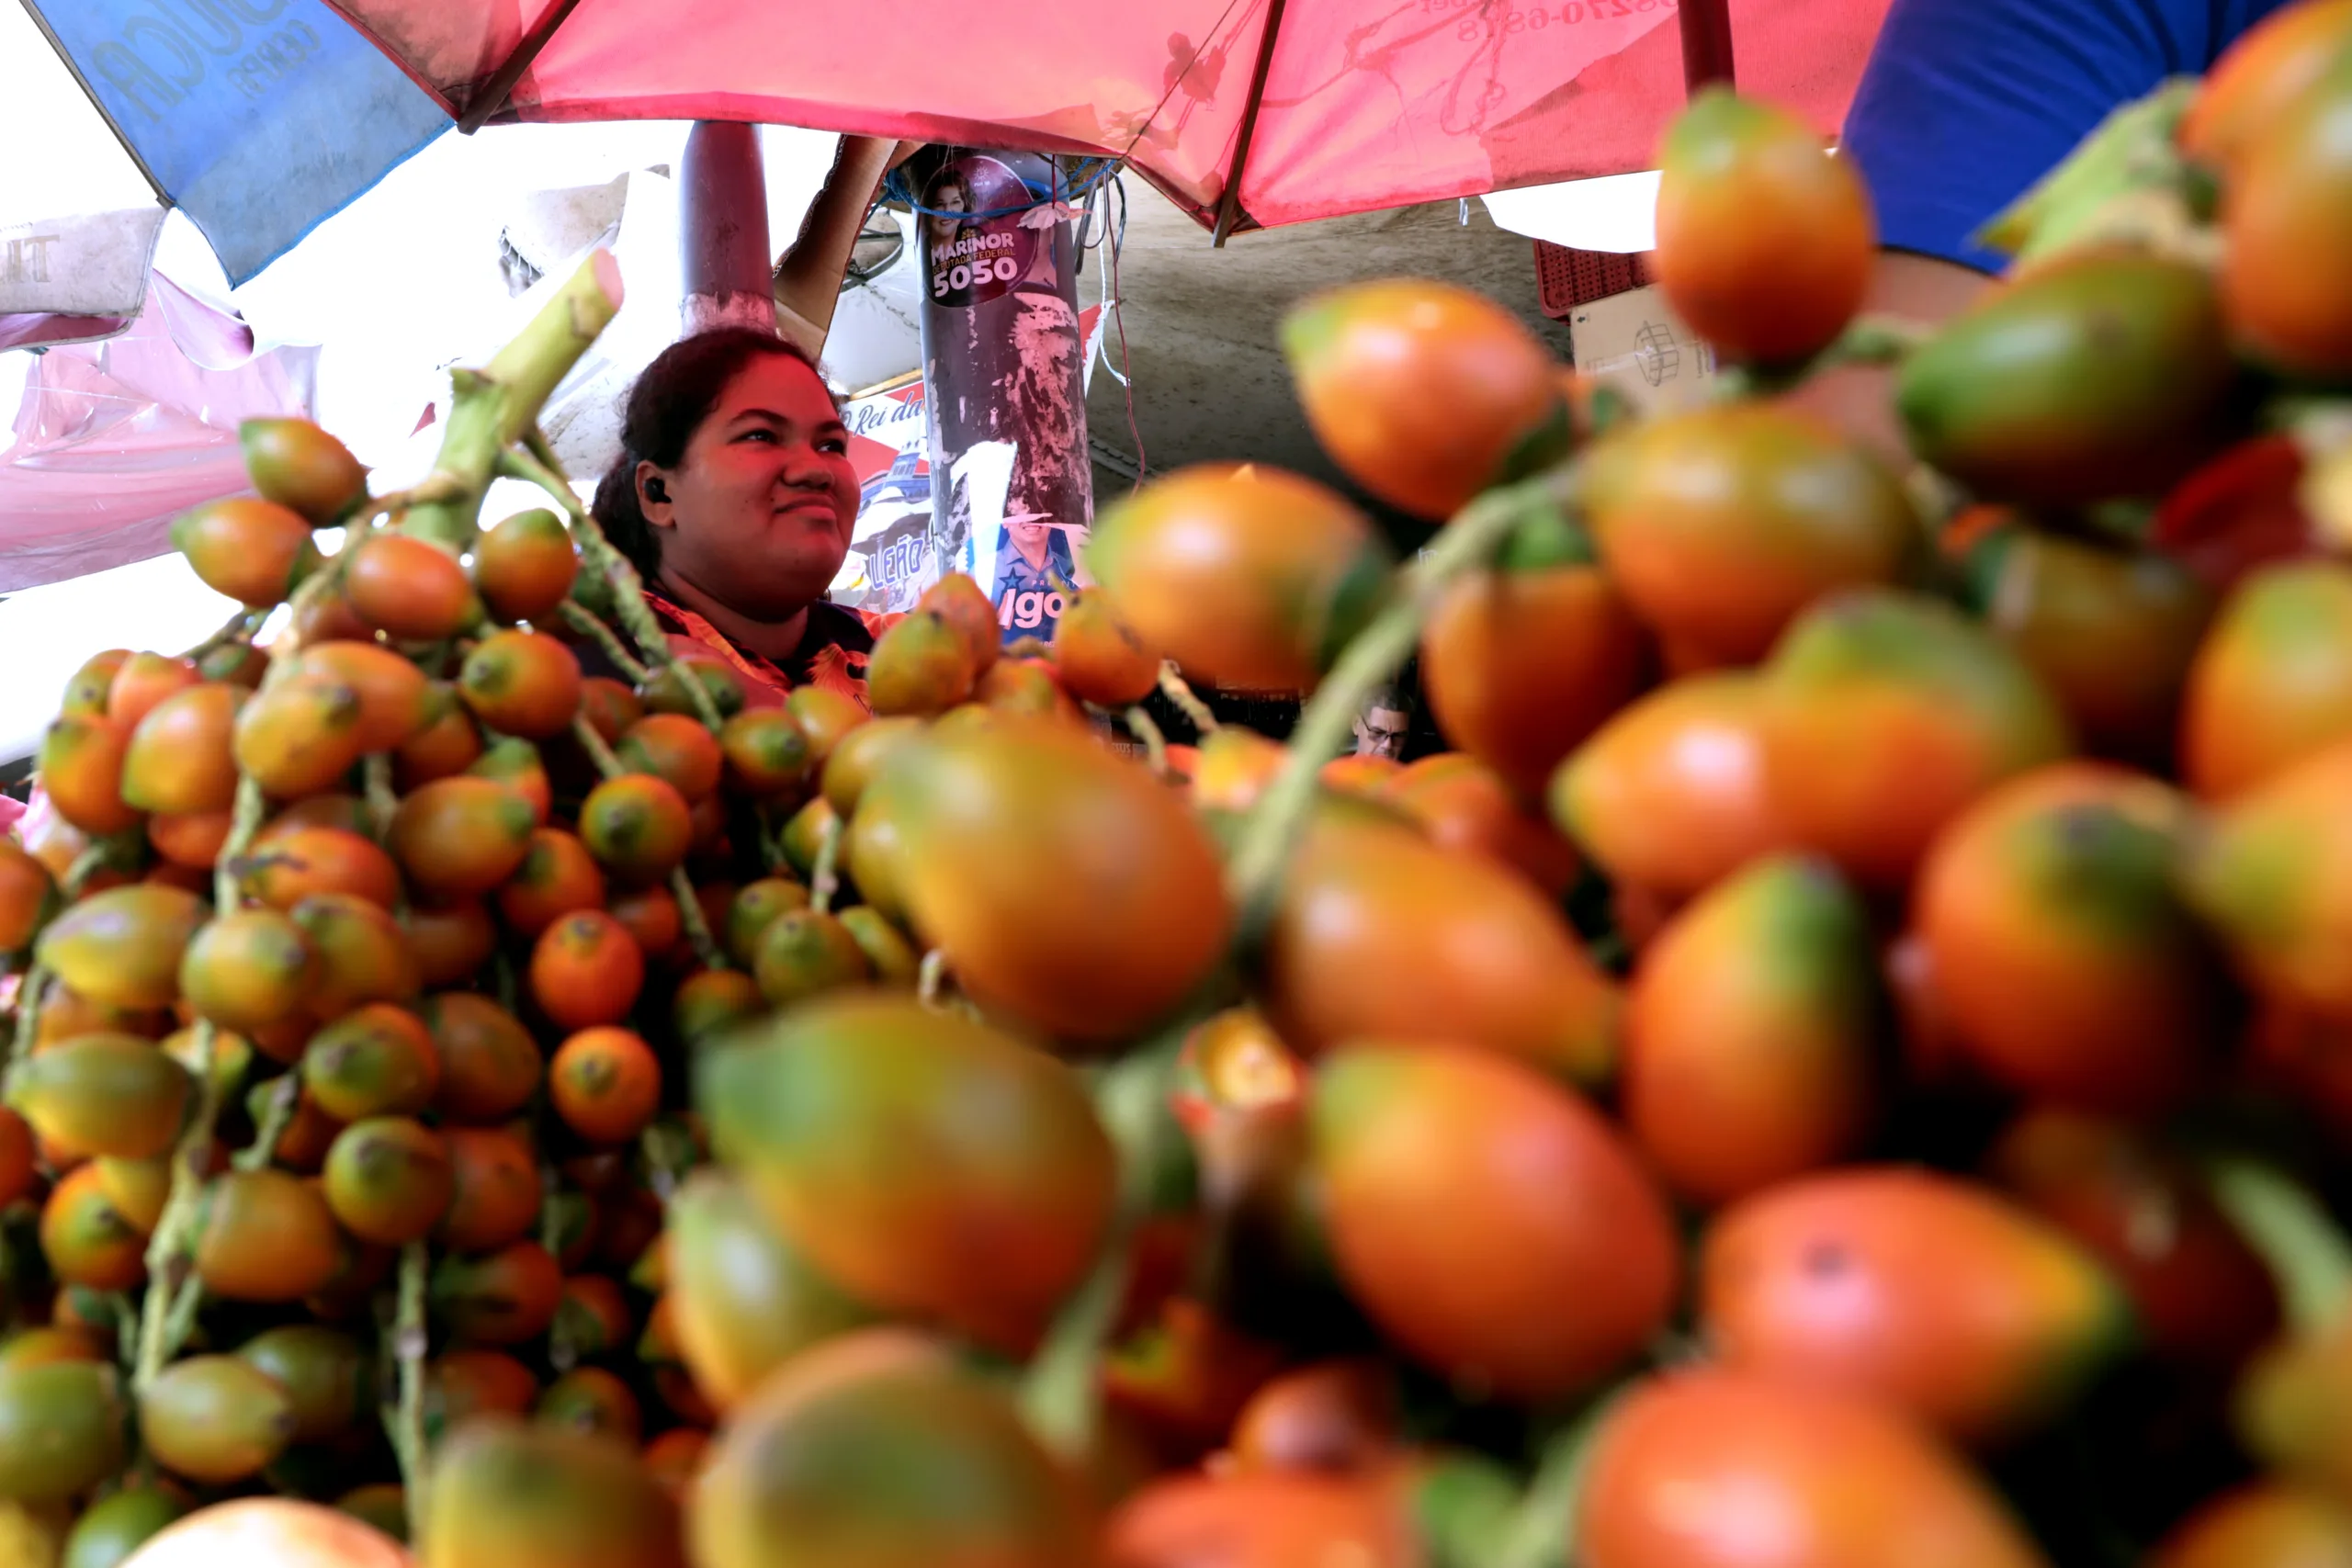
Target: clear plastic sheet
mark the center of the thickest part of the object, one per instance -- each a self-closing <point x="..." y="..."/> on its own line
<point x="113" y="439"/>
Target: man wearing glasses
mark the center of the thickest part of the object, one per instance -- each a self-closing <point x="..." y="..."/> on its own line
<point x="1384" y="724"/>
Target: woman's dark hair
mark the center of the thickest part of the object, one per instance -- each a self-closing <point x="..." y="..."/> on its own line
<point x="667" y="403"/>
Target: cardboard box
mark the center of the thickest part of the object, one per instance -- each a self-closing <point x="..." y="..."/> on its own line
<point x="1634" y="342"/>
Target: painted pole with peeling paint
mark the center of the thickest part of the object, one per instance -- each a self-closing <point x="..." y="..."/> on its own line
<point x="729" y="272"/>
<point x="1012" y="490"/>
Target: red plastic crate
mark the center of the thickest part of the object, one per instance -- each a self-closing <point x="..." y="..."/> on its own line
<point x="1565" y="278"/>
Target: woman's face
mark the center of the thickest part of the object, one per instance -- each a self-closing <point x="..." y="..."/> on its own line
<point x="758" y="512"/>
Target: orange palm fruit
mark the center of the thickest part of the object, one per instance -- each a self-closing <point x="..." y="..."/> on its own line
<point x="1715" y="1469"/>
<point x="1751" y="1030"/>
<point x="1249" y="578"/>
<point x="1765" y="242"/>
<point x="1931" y="1294"/>
<point x="1454" y="1165"/>
<point x="1425" y="393"/>
<point x="251" y="550"/>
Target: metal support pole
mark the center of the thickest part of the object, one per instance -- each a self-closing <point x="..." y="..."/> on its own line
<point x="723" y="230"/>
<point x="1706" y="43"/>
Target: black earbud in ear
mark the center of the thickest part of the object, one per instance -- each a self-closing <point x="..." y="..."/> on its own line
<point x="656" y="490"/>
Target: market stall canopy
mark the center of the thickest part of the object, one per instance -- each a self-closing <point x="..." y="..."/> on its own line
<point x="261" y="118"/>
<point x="1324" y="107"/>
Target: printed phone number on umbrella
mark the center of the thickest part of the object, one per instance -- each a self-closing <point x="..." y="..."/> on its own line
<point x="1535" y="18"/>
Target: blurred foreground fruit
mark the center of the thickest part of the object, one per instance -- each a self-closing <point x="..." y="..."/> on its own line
<point x="1716" y="1469"/>
<point x="270" y="1532"/>
<point x="1749" y="1032"/>
<point x="1424" y="393"/>
<point x="2284" y="228"/>
<point x="123" y="947"/>
<point x="1262" y="1521"/>
<point x="1934" y="1296"/>
<point x="745" y="1301"/>
<point x="1467" y="1197"/>
<point x="1130" y="920"/>
<point x="2070" y="969"/>
<point x="1671" y="793"/>
<point x="1377" y="934"/>
<point x="850" y="1118"/>
<point x="1521" y="663"/>
<point x="215" y="1419"/>
<point x="1765" y="242"/>
<point x="1883" y="716"/>
<point x="506" y="1495"/>
<point x="2097" y="376"/>
<point x="2272" y="874"/>
<point x="1249" y="577"/>
<point x="2203" y="1298"/>
<point x="2272" y="683"/>
<point x="61" y="1429"/>
<point x="1722" y="523"/>
<point x="880" y="1446"/>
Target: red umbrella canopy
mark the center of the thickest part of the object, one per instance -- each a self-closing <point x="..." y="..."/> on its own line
<point x="1362" y="104"/>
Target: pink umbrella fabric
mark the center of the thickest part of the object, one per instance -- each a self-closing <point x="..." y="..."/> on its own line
<point x="1364" y="106"/>
<point x="114" y="439"/>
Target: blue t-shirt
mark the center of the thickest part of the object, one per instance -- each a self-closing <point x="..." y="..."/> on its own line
<point x="1966" y="103"/>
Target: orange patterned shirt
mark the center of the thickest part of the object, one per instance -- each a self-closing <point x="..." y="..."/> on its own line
<point x="833" y="653"/>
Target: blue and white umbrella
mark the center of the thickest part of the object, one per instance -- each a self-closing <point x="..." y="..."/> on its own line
<point x="258" y="118"/>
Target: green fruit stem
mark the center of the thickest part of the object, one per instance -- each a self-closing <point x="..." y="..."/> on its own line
<point x="173" y="1291"/>
<point x="404" y="1422"/>
<point x="283" y="1096"/>
<point x="537" y="465"/>
<point x="1472" y="539"/>
<point x="824" y="876"/>
<point x="607" y="766"/>
<point x="931" y="976"/>
<point x="1462" y="1510"/>
<point x="2307" y="1254"/>
<point x="1472" y="1515"/>
<point x="492" y="408"/>
<point x="240" y="627"/>
<point x="20" y="1045"/>
<point x="2133" y="151"/>
<point x="1188" y="702"/>
<point x="169" y="1266"/>
<point x="1155" y="745"/>
<point x="1870" y="341"/>
<point x="689" y="916"/>
<point x="376" y="779"/>
<point x="1543" y="1529"/>
<point x="1061" y="1395"/>
<point x="120" y="851"/>
<point x="579" y="619"/>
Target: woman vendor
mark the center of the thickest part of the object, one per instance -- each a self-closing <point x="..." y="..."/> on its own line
<point x="734" y="498"/>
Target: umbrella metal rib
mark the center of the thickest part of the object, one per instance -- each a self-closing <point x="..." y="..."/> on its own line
<point x="1229" y="201"/>
<point x="1706" y="43"/>
<point x="501" y="86"/>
